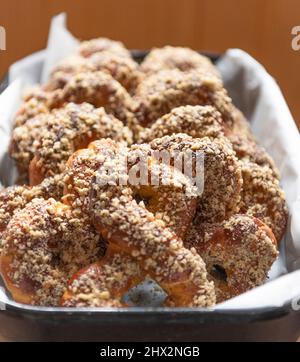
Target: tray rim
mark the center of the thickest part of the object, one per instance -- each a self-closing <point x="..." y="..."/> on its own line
<point x="148" y="315"/>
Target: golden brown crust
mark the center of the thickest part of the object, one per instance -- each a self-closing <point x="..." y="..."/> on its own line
<point x="128" y="225"/>
<point x="249" y="151"/>
<point x="238" y="253"/>
<point x="30" y="109"/>
<point x="69" y="129"/>
<point x="183" y="59"/>
<point x="51" y="138"/>
<point x="263" y="197"/>
<point x="104" y="283"/>
<point x="24" y="142"/>
<point x="173" y="200"/>
<point x="11" y="199"/>
<point x="89" y="47"/>
<point x="159" y="93"/>
<point x="222" y="173"/>
<point x="167" y="201"/>
<point x="206" y="121"/>
<point x="196" y="121"/>
<point x="124" y="70"/>
<point x="80" y="170"/>
<point x="15" y="198"/>
<point x="241" y="125"/>
<point x="97" y="88"/>
<point x="43" y="245"/>
<point x="101" y="90"/>
<point x="134" y="229"/>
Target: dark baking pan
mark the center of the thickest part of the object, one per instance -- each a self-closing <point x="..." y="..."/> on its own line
<point x="26" y="323"/>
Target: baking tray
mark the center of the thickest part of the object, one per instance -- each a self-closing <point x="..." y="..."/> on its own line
<point x="27" y="323"/>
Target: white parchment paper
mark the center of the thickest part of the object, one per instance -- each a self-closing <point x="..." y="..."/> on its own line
<point x="253" y="90"/>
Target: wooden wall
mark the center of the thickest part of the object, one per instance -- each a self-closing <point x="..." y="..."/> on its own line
<point x="261" y="27"/>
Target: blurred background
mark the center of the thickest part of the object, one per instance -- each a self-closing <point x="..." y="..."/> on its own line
<point x="261" y="27"/>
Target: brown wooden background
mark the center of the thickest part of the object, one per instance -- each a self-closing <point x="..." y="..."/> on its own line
<point x="261" y="27"/>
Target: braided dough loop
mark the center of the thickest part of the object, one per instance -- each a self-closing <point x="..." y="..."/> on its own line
<point x="81" y="168"/>
<point x="104" y="283"/>
<point x="165" y="191"/>
<point x="206" y="121"/>
<point x="129" y="226"/>
<point x="183" y="59"/>
<point x="53" y="137"/>
<point x="15" y="198"/>
<point x="263" y="197"/>
<point x="238" y="253"/>
<point x="24" y="142"/>
<point x="90" y="47"/>
<point x="30" y="109"/>
<point x="43" y="245"/>
<point x="124" y="70"/>
<point x="222" y="173"/>
<point x="167" y="202"/>
<point x="69" y="129"/>
<point x="160" y="253"/>
<point x="99" y="89"/>
<point x="159" y="93"/>
<point x="195" y="121"/>
<point x="95" y="87"/>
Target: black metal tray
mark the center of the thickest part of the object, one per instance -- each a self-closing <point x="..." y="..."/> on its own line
<point x="27" y="323"/>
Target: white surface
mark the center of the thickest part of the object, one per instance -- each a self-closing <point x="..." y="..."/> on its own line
<point x="254" y="91"/>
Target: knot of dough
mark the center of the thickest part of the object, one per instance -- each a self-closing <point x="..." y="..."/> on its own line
<point x="238" y="253"/>
<point x="128" y="225"/>
<point x="44" y="244"/>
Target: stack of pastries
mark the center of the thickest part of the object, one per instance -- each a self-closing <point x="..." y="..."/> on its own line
<point x="74" y="235"/>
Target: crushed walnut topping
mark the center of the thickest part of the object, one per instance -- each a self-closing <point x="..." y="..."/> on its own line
<point x="196" y="121"/>
<point x="159" y="93"/>
<point x="71" y="128"/>
<point x="263" y="197"/>
<point x="103" y="283"/>
<point x="123" y="69"/>
<point x="44" y="244"/>
<point x="222" y="173"/>
<point x="89" y="47"/>
<point x="15" y="198"/>
<point x="93" y="226"/>
<point x="238" y="253"/>
<point x="180" y="58"/>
